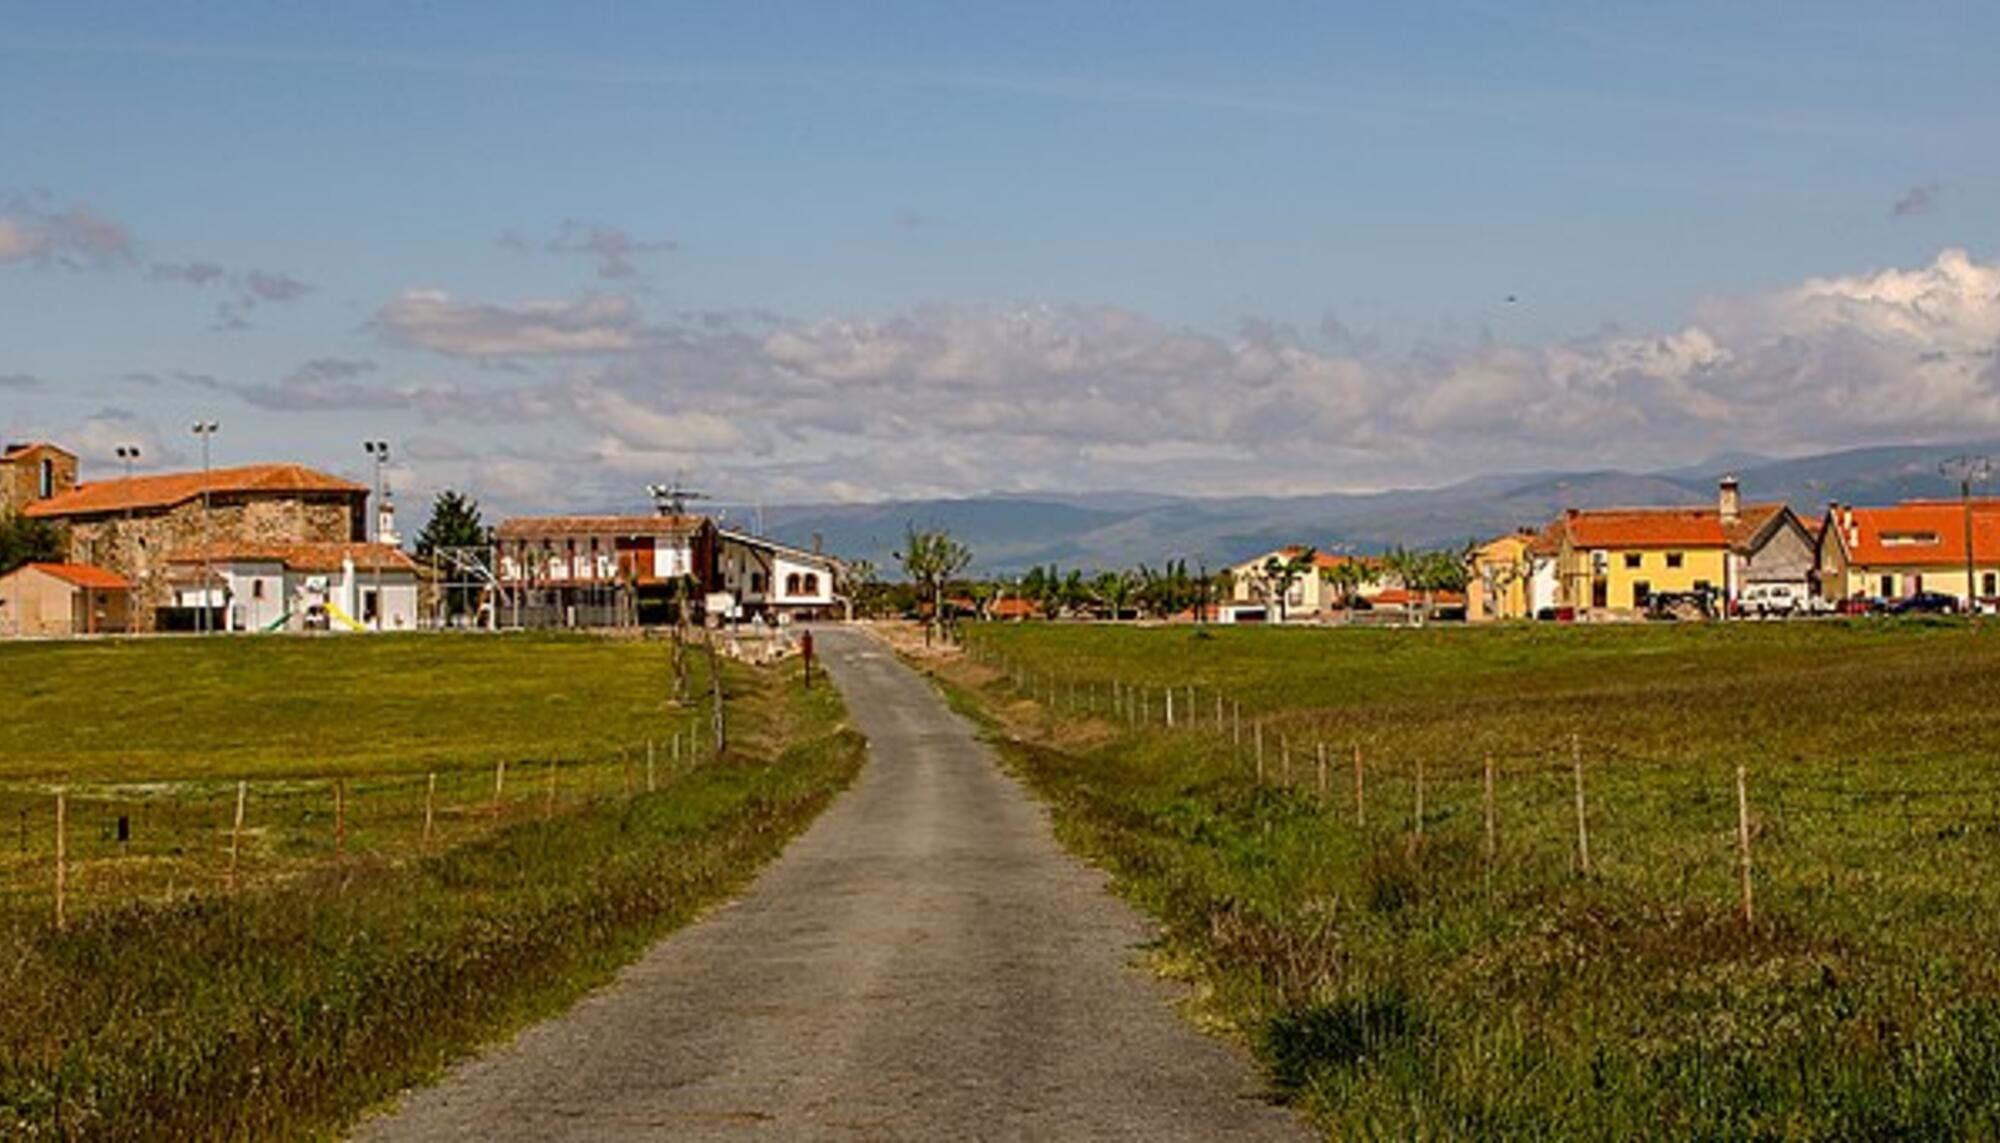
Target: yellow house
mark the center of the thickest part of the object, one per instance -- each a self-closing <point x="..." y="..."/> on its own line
<point x="1512" y="577"/>
<point x="1615" y="561"/>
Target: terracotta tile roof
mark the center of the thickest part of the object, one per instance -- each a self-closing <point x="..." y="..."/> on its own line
<point x="1666" y="527"/>
<point x="14" y="450"/>
<point x="557" y="527"/>
<point x="1919" y="533"/>
<point x="1014" y="607"/>
<point x="168" y="489"/>
<point x="314" y="558"/>
<point x="1323" y="560"/>
<point x="86" y="576"/>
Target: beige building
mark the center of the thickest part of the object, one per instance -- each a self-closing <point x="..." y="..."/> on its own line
<point x="1916" y="546"/>
<point x="1309" y="595"/>
<point x="135" y="527"/>
<point x="63" y="599"/>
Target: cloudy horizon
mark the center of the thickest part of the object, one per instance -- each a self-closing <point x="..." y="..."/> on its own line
<point x="552" y="264"/>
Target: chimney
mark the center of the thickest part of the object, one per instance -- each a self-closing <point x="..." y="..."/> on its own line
<point x="1729" y="499"/>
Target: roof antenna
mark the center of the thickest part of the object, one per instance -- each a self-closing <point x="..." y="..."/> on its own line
<point x="672" y="499"/>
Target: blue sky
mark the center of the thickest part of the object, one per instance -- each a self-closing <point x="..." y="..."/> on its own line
<point x="846" y="251"/>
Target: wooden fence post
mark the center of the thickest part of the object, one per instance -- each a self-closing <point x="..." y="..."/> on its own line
<point x="1218" y="714"/>
<point x="1743" y="841"/>
<point x="1237" y="706"/>
<point x="1170" y="708"/>
<point x="430" y="806"/>
<point x="1486" y="796"/>
<point x="1285" y="760"/>
<point x="1259" y="728"/>
<point x="1582" y="818"/>
<point x="1319" y="757"/>
<point x="1420" y="802"/>
<point x="62" y="856"/>
<point x="1360" y="803"/>
<point x="652" y="785"/>
<point x="499" y="783"/>
<point x="236" y="832"/>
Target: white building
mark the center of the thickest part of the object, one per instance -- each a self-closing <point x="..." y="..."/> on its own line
<point x="301" y="587"/>
<point x="756" y="576"/>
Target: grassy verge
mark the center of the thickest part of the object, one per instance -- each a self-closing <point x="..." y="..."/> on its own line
<point x="286" y="1013"/>
<point x="1398" y="982"/>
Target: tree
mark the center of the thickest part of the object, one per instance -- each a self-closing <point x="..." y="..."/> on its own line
<point x="1347" y="578"/>
<point x="454" y="523"/>
<point x="1280" y="572"/>
<point x="28" y="541"/>
<point x="931" y="559"/>
<point x="1114" y="590"/>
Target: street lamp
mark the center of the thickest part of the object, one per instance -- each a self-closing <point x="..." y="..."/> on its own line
<point x="206" y="431"/>
<point x="379" y="452"/>
<point x="1966" y="470"/>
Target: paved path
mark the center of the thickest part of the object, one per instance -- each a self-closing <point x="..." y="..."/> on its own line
<point x="923" y="963"/>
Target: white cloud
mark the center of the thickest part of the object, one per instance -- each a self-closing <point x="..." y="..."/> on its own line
<point x="434" y="320"/>
<point x="953" y="399"/>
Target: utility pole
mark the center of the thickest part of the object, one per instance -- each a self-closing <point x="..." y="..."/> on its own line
<point x="206" y="431"/>
<point x="1967" y="470"/>
<point x="379" y="452"/>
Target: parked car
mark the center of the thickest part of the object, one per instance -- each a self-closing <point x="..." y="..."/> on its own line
<point x="1858" y="605"/>
<point x="1770" y="599"/>
<point x="1925" y="603"/>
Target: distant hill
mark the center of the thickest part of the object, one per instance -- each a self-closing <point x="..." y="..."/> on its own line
<point x="1119" y="529"/>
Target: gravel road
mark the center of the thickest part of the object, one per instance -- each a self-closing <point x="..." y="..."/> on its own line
<point x="923" y="963"/>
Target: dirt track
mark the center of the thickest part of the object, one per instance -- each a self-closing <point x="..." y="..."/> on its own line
<point x="924" y="963"/>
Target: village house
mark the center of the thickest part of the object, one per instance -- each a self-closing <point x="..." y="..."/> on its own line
<point x="45" y="599"/>
<point x="1513" y="576"/>
<point x="757" y="577"/>
<point x="1615" y="562"/>
<point x="601" y="571"/>
<point x="1254" y="589"/>
<point x="300" y="587"/>
<point x="134" y="527"/>
<point x="1916" y="546"/>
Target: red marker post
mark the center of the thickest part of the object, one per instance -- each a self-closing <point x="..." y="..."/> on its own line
<point x="806" y="656"/>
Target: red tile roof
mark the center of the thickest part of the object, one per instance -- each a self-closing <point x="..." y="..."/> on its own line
<point x="1014" y="607"/>
<point x="1326" y="561"/>
<point x="322" y="557"/>
<point x="168" y="489"/>
<point x="1919" y="533"/>
<point x="85" y="576"/>
<point x="556" y="527"/>
<point x="1666" y="527"/>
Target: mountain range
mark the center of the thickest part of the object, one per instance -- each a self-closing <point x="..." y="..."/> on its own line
<point x="1009" y="533"/>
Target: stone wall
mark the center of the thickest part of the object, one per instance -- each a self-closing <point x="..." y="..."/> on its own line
<point x="139" y="547"/>
<point x="21" y="477"/>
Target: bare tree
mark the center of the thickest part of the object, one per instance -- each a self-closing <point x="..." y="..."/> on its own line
<point x="931" y="559"/>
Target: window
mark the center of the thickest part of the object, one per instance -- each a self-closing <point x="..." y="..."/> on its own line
<point x="1642" y="594"/>
<point x="48" y="481"/>
<point x="1888" y="586"/>
<point x="1674" y="559"/>
<point x="370" y="609"/>
<point x="1917" y="584"/>
<point x="756" y="581"/>
<point x="1632" y="559"/>
<point x="811" y="583"/>
<point x="256" y="589"/>
<point x="1989" y="584"/>
<point x="792" y="584"/>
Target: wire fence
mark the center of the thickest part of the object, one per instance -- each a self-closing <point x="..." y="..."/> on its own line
<point x="1729" y="830"/>
<point x="82" y="846"/>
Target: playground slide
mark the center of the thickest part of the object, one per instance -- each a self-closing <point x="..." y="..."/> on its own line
<point x="343" y="618"/>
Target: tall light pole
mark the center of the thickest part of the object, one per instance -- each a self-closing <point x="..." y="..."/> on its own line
<point x="1966" y="470"/>
<point x="379" y="452"/>
<point x="206" y="431"/>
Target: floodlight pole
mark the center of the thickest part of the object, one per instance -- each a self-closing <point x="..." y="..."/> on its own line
<point x="206" y="431"/>
<point x="379" y="450"/>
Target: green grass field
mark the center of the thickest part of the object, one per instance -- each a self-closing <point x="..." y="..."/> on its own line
<point x="337" y="740"/>
<point x="326" y="982"/>
<point x="1399" y="982"/>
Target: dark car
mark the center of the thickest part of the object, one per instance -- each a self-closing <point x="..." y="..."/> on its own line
<point x="1924" y="603"/>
